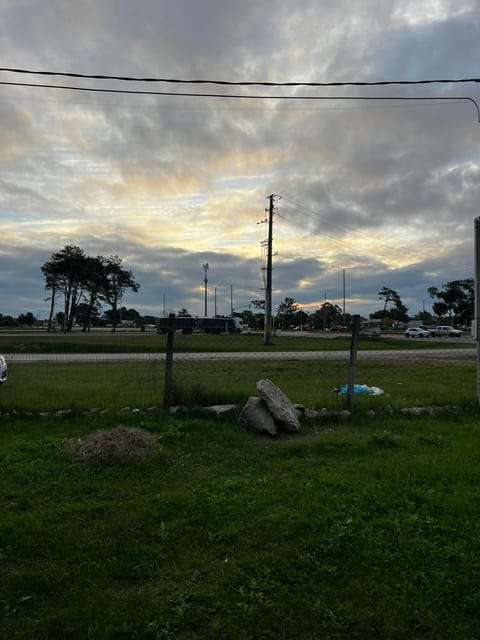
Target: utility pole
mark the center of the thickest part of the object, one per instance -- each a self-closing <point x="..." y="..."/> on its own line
<point x="267" y="332"/>
<point x="476" y="321"/>
<point x="205" y="282"/>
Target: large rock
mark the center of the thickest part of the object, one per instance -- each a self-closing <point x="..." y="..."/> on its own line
<point x="223" y="411"/>
<point x="282" y="410"/>
<point x="256" y="416"/>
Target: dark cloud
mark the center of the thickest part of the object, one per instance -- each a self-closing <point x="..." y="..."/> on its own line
<point x="171" y="183"/>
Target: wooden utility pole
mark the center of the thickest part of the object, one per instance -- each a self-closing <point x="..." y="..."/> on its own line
<point x="267" y="333"/>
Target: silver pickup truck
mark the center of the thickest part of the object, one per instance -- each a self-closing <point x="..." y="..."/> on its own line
<point x="445" y="330"/>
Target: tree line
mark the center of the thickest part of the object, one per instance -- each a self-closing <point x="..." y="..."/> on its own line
<point x="455" y="300"/>
<point x="84" y="284"/>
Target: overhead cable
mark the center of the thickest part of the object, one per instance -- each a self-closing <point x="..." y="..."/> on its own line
<point x="240" y="96"/>
<point x="240" y="82"/>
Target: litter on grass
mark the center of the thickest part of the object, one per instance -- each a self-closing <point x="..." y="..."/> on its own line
<point x="359" y="389"/>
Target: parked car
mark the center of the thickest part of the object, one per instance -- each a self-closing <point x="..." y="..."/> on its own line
<point x="3" y="370"/>
<point x="445" y="330"/>
<point x="416" y="332"/>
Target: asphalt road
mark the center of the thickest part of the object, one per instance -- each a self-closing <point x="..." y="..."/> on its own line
<point x="404" y="354"/>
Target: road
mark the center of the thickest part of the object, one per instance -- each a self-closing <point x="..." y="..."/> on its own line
<point x="404" y="354"/>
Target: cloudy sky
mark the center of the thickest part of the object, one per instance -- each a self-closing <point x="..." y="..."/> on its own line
<point x="386" y="190"/>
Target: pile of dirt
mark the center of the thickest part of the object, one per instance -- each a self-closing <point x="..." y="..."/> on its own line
<point x="120" y="442"/>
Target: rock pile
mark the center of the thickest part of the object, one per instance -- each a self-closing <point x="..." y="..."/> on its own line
<point x="271" y="413"/>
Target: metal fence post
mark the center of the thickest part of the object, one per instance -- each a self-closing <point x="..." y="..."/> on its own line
<point x="167" y="383"/>
<point x="353" y="359"/>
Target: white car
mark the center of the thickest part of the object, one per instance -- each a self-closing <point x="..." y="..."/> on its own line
<point x="416" y="332"/>
<point x="3" y="369"/>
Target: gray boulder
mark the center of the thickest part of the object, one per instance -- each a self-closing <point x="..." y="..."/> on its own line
<point x="256" y="416"/>
<point x="282" y="410"/>
<point x="223" y="411"/>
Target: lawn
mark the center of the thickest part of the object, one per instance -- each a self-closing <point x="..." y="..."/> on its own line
<point x="362" y="529"/>
<point x="42" y="386"/>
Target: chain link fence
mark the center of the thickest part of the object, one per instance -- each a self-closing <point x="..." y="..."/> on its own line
<point x="315" y="370"/>
<point x="326" y="370"/>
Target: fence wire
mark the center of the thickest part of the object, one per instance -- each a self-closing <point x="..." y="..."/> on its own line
<point x="224" y="369"/>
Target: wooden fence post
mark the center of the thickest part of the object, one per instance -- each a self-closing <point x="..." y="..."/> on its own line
<point x="353" y="359"/>
<point x="167" y="382"/>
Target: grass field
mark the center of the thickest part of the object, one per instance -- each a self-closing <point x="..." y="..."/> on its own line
<point x="357" y="530"/>
<point x="43" y="386"/>
<point x="128" y="342"/>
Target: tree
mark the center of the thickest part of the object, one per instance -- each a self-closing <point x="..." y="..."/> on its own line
<point x="183" y="313"/>
<point x="94" y="283"/>
<point x="65" y="272"/>
<point x="116" y="281"/>
<point x="26" y="319"/>
<point x="51" y="273"/>
<point x="398" y="312"/>
<point x="327" y="316"/>
<point x="85" y="316"/>
<point x="86" y="281"/>
<point x="457" y="299"/>
<point x="7" y="321"/>
<point x="287" y="310"/>
<point x="425" y="317"/>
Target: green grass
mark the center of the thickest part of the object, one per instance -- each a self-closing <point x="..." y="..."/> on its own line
<point x="125" y="342"/>
<point x="367" y="529"/>
<point x="79" y="386"/>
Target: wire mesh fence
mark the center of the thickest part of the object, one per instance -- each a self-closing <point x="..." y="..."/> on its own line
<point x="319" y="379"/>
<point x="224" y="369"/>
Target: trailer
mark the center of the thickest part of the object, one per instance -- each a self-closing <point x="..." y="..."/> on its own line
<point x="188" y="325"/>
<point x="185" y="324"/>
<point x="220" y="325"/>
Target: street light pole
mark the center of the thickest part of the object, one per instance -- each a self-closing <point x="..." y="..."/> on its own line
<point x="205" y="282"/>
<point x="344" y="269"/>
<point x="219" y="284"/>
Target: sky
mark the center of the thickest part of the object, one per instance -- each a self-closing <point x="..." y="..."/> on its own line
<point x="384" y="192"/>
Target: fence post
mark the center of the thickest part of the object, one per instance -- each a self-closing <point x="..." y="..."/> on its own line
<point x="167" y="382"/>
<point x="353" y="359"/>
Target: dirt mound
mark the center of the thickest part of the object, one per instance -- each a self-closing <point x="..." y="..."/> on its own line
<point x="120" y="442"/>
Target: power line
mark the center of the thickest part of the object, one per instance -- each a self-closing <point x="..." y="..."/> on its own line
<point x="449" y="101"/>
<point x="191" y="94"/>
<point x="244" y="83"/>
<point x="317" y="216"/>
